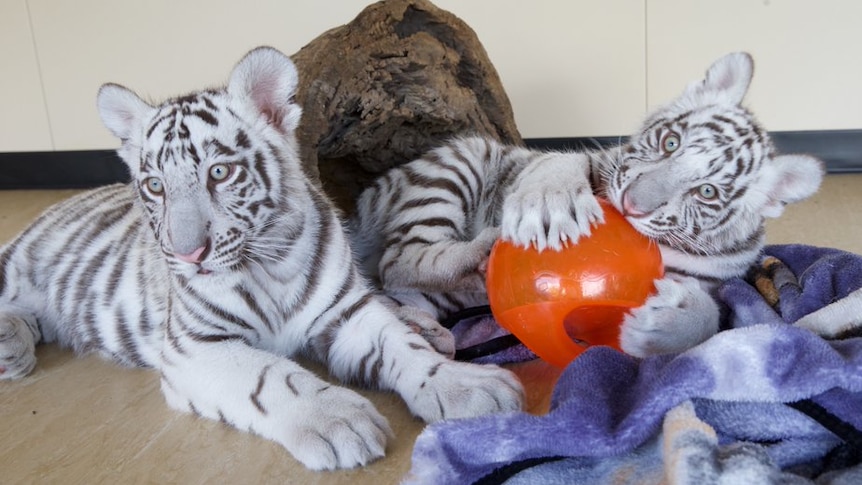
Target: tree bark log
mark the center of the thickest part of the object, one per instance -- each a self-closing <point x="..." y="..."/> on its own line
<point x="399" y="79"/>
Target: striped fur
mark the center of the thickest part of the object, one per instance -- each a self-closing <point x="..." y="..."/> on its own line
<point x="216" y="265"/>
<point x="699" y="178"/>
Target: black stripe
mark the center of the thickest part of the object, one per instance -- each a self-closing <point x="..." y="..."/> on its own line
<point x="430" y="222"/>
<point x="423" y="180"/>
<point x="211" y="338"/>
<point x="81" y="297"/>
<point x="699" y="276"/>
<point x="122" y="260"/>
<point x="216" y="310"/>
<point x="833" y="423"/>
<point x="324" y="340"/>
<point x="206" y="117"/>
<point x="127" y="340"/>
<point x="421" y="203"/>
<point x="4" y="261"/>
<point x="252" y="305"/>
<point x="260" y="164"/>
<point x="241" y="139"/>
<point x="145" y="325"/>
<point x="222" y="149"/>
<point x="470" y="197"/>
<point x="288" y="381"/>
<point x="346" y="286"/>
<point x="255" y="396"/>
<point x="505" y="472"/>
<point x="156" y="122"/>
<point x="170" y="334"/>
<point x="370" y="369"/>
<point x="489" y="347"/>
<point x="312" y="278"/>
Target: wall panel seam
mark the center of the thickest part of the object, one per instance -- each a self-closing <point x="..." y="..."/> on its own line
<point x="41" y="76"/>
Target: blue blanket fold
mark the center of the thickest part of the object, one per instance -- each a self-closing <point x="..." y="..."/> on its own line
<point x="608" y="409"/>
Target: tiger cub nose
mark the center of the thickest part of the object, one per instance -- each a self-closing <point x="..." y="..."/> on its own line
<point x="629" y="208"/>
<point x="195" y="256"/>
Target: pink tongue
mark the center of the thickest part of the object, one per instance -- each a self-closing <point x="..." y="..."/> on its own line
<point x="194" y="257"/>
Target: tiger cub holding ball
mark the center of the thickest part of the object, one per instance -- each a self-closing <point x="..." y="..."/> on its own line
<point x="699" y="178"/>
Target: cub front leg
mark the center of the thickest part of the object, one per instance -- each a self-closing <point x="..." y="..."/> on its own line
<point x="438" y="265"/>
<point x="551" y="203"/>
<point x="377" y="348"/>
<point x="321" y="425"/>
<point x="679" y="316"/>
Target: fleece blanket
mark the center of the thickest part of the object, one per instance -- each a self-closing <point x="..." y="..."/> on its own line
<point x="761" y="402"/>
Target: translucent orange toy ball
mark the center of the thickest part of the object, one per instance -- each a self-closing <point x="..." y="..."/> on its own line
<point x="558" y="303"/>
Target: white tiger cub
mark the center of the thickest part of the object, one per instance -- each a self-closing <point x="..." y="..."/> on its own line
<point x="699" y="178"/>
<point x="218" y="263"/>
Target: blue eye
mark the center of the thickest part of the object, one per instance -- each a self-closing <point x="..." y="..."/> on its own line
<point x="670" y="142"/>
<point x="707" y="191"/>
<point x="154" y="185"/>
<point x="219" y="172"/>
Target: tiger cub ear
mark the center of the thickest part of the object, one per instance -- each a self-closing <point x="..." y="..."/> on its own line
<point x="726" y="80"/>
<point x="793" y="178"/>
<point x="121" y="110"/>
<point x="267" y="80"/>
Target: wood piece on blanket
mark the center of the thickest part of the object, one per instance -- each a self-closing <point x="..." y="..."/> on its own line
<point x="692" y="454"/>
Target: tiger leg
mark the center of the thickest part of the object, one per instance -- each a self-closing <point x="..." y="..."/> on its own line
<point x="375" y="347"/>
<point x="19" y="333"/>
<point x="438" y="264"/>
<point x="322" y="425"/>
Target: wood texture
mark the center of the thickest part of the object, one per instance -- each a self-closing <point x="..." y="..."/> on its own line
<point x="383" y="89"/>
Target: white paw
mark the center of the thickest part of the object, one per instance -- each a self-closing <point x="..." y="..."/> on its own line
<point x="550" y="214"/>
<point x="429" y="328"/>
<point x="337" y="428"/>
<point x="679" y="316"/>
<point x="17" y="348"/>
<point x="455" y="390"/>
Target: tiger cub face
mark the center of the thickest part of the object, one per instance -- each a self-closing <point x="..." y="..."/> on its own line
<point x="214" y="170"/>
<point x="701" y="174"/>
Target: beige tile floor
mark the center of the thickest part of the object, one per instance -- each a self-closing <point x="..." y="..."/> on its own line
<point x="83" y="420"/>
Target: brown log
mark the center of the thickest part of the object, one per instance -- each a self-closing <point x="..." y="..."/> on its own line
<point x="401" y="78"/>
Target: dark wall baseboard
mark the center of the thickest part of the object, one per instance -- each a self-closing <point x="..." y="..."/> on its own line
<point x="61" y="169"/>
<point x="840" y="149"/>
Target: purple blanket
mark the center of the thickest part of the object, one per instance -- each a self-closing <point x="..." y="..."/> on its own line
<point x="752" y="403"/>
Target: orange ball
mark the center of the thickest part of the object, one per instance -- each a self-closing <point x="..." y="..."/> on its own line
<point x="558" y="303"/>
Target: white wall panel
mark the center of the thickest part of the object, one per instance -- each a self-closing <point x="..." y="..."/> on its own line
<point x="584" y="68"/>
<point x="569" y="68"/>
<point x="565" y="71"/>
<point x="23" y="120"/>
<point x="158" y="48"/>
<point x="808" y="63"/>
